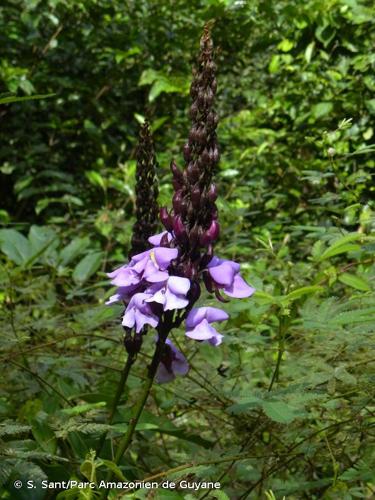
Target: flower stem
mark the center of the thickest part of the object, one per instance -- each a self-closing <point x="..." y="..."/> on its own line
<point x="120" y="389"/>
<point x="163" y="330"/>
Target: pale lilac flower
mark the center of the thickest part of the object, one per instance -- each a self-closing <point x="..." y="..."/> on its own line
<point x="173" y="293"/>
<point x="198" y="324"/>
<point x="139" y="313"/>
<point x="226" y="275"/>
<point x="150" y="265"/>
<point x="172" y="363"/>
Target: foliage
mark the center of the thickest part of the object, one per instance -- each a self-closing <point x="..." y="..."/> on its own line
<point x="285" y="407"/>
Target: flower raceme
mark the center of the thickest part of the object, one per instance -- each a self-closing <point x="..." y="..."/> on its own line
<point x="148" y="288"/>
<point x="161" y="285"/>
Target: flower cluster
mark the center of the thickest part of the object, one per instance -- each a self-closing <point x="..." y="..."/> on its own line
<point x="161" y="285"/>
<point x="148" y="288"/>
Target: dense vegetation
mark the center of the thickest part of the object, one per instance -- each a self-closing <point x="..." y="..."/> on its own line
<point x="284" y="407"/>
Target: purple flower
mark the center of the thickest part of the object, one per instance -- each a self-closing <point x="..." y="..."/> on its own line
<point x="173" y="294"/>
<point x="156" y="238"/>
<point x="198" y="324"/>
<point x="226" y="275"/>
<point x="172" y="363"/>
<point x="150" y="265"/>
<point x="139" y="313"/>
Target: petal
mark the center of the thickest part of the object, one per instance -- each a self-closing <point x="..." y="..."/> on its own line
<point x="180" y="366"/>
<point x="114" y="273"/>
<point x="158" y="297"/>
<point x="126" y="277"/>
<point x="113" y="298"/>
<point x="217" y="340"/>
<point x="129" y="317"/>
<point x="239" y="288"/>
<point x="140" y="256"/>
<point x="197" y="314"/>
<point x="173" y="301"/>
<point x="179" y="285"/>
<point x="163" y="375"/>
<point x="224" y="273"/>
<point x="203" y="331"/>
<point x="164" y="256"/>
<point x="215" y="314"/>
<point x="156" y="238"/>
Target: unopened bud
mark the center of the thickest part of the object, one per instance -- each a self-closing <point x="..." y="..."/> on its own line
<point x="212" y="193"/>
<point x="177" y="174"/>
<point x="192" y="172"/>
<point x="178" y="227"/>
<point x="176" y="202"/>
<point x="211" y="234"/>
<point x="187" y="153"/>
<point x="166" y="219"/>
<point x="196" y="196"/>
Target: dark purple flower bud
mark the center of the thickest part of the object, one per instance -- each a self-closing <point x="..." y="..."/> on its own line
<point x="196" y="196"/>
<point x="178" y="226"/>
<point x="192" y="172"/>
<point x="194" y="236"/>
<point x="194" y="292"/>
<point x="212" y="193"/>
<point x="166" y="219"/>
<point x="176" y="184"/>
<point x="211" y="234"/>
<point x="187" y="152"/>
<point x="177" y="174"/>
<point x="177" y="201"/>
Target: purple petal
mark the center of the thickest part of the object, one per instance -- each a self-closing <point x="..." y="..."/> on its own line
<point x="138" y="313"/>
<point x="163" y="375"/>
<point x="223" y="274"/>
<point x="173" y="301"/>
<point x="164" y="256"/>
<point x="114" y="273"/>
<point x="126" y="277"/>
<point x="204" y="331"/>
<point x="239" y="288"/>
<point x="156" y="239"/>
<point x="177" y="365"/>
<point x="212" y="314"/>
<point x="179" y="285"/>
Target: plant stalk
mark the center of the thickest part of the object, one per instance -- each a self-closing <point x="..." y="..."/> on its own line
<point x="120" y="389"/>
<point x="164" y="329"/>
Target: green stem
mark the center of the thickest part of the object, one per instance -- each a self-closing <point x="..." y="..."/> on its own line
<point x="120" y="390"/>
<point x="163" y="330"/>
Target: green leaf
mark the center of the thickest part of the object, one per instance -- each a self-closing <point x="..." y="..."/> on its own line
<point x="84" y="408"/>
<point x="15" y="246"/>
<point x="342" y="245"/>
<point x="96" y="179"/>
<point x="114" y="468"/>
<point x="322" y="109"/>
<point x="75" y="247"/>
<point x="300" y="292"/>
<point x="355" y="281"/>
<point x="87" y="267"/>
<point x="309" y="51"/>
<point x="285" y="45"/>
<point x="279" y="411"/>
<point x="10" y="99"/>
